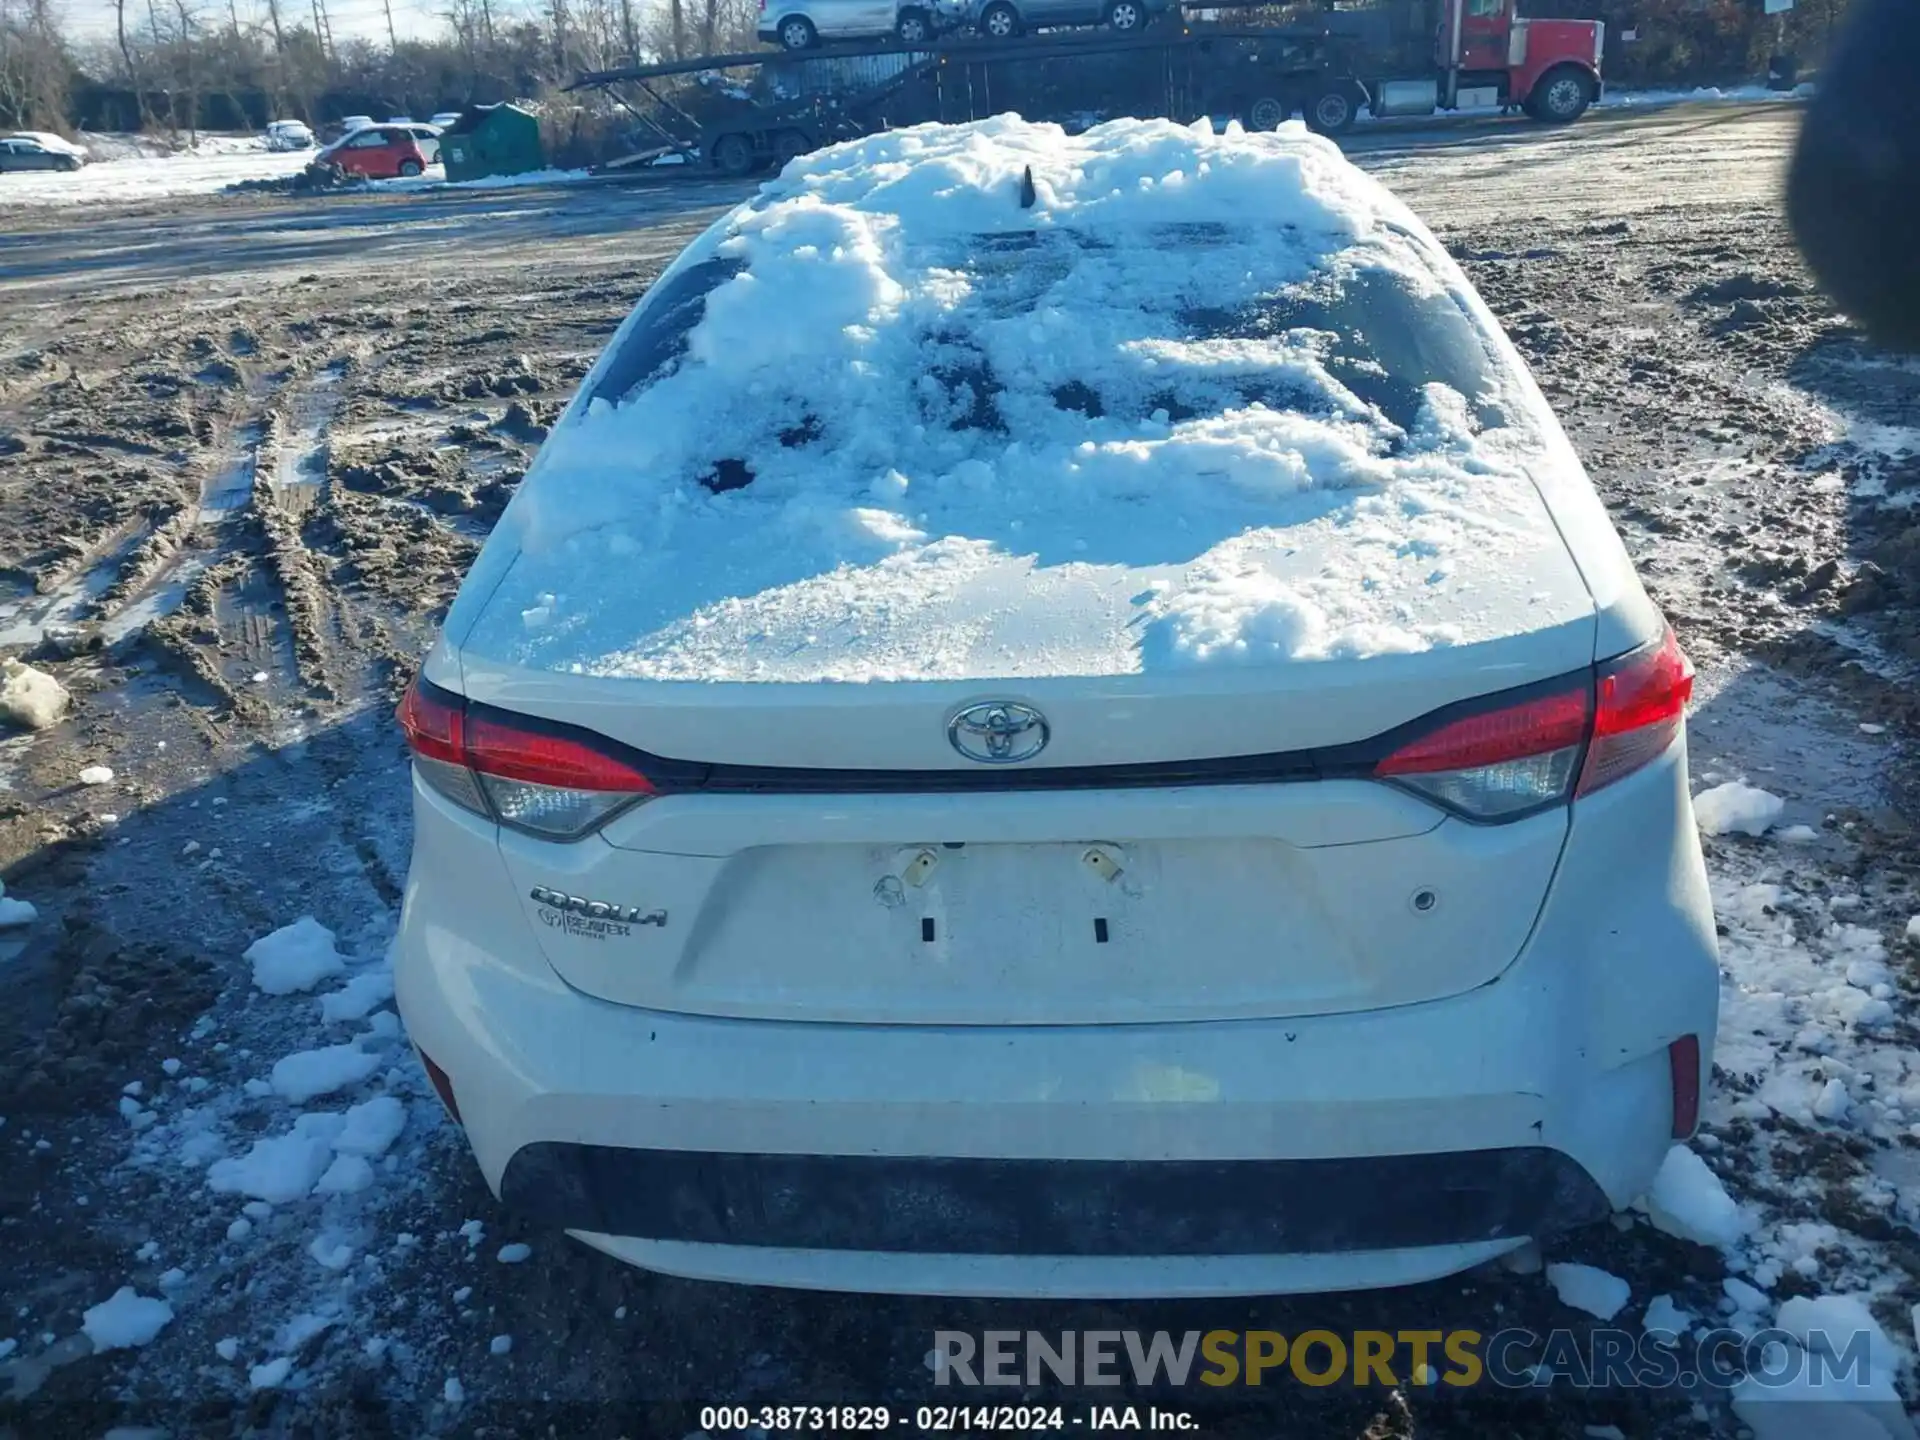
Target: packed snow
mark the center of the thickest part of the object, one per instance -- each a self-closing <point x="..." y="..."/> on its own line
<point x="1688" y="1200"/>
<point x="126" y="1320"/>
<point x="894" y="426"/>
<point x="1736" y="807"/>
<point x="1583" y="1287"/>
<point x="307" y="1073"/>
<point x="96" y="775"/>
<point x="295" y="957"/>
<point x="31" y="698"/>
<point x="362" y="994"/>
<point x="1665" y="1319"/>
<point x="282" y="1167"/>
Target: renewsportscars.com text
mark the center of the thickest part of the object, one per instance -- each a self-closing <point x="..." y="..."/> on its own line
<point x="1513" y="1358"/>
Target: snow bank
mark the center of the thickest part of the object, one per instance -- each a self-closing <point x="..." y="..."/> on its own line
<point x="1129" y="428"/>
<point x="1734" y="806"/>
<point x="126" y="1320"/>
<point x="1585" y="1288"/>
<point x="1688" y="1200"/>
<point x="31" y="698"/>
<point x="295" y="957"/>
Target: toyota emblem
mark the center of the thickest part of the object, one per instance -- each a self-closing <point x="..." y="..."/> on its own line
<point x="998" y="732"/>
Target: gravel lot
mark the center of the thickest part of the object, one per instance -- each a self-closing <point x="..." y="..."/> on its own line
<point x="248" y="446"/>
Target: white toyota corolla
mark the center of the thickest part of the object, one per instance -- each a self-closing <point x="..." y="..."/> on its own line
<point x="1059" y="717"/>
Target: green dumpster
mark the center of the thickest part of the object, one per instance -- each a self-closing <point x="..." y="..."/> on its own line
<point x="491" y="140"/>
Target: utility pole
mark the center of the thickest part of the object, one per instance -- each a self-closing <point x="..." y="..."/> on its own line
<point x="273" y="14"/>
<point x="393" y="40"/>
<point x="322" y="32"/>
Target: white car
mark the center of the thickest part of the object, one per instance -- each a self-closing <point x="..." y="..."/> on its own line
<point x="355" y="122"/>
<point x="1103" y="746"/>
<point x="445" y="118"/>
<point x="289" y="135"/>
<point x="51" y="143"/>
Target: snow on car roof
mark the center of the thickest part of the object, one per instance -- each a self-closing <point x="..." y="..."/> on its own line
<point x="1208" y="399"/>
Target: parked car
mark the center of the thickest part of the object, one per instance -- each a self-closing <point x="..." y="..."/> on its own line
<point x="426" y="136"/>
<point x="1114" y="750"/>
<point x="355" y="122"/>
<point x="31" y="152"/>
<point x="802" y="24"/>
<point x="1005" y="19"/>
<point x="289" y="135"/>
<point x="445" y="118"/>
<point x="379" y="152"/>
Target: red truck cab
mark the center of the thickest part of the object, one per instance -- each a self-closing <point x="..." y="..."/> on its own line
<point x="1549" y="68"/>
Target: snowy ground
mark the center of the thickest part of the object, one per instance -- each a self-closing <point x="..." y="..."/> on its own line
<point x="252" y="465"/>
<point x="133" y="175"/>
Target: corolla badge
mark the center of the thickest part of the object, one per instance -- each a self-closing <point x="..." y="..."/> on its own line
<point x="999" y="732"/>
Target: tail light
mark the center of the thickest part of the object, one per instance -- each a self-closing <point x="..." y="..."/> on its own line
<point x="1544" y="747"/>
<point x="549" y="780"/>
<point x="1640" y="701"/>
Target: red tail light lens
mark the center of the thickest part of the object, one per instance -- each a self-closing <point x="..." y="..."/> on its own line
<point x="1543" y="749"/>
<point x="545" y="780"/>
<point x="1641" y="700"/>
<point x="1498" y="764"/>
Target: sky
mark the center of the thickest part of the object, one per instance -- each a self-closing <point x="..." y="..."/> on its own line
<point x="348" y="19"/>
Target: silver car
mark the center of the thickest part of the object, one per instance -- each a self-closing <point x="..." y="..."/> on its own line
<point x="1004" y="19"/>
<point x="802" y="24"/>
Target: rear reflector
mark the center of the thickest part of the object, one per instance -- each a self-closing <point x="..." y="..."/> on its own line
<point x="548" y="780"/>
<point x="1683" y="1059"/>
<point x="442" y="1086"/>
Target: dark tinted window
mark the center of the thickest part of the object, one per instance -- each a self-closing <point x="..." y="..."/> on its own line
<point x="658" y="341"/>
<point x="1382" y="338"/>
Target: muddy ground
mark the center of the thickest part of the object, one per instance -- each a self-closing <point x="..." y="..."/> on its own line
<point x="248" y="447"/>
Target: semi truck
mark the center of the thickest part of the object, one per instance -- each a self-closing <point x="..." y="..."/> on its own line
<point x="1416" y="57"/>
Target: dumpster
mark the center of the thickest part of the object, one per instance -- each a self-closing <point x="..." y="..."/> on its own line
<point x="491" y="140"/>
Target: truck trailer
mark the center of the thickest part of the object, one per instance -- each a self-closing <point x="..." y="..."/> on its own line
<point x="1394" y="58"/>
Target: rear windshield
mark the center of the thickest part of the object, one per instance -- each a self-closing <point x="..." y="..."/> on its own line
<point x="1380" y="332"/>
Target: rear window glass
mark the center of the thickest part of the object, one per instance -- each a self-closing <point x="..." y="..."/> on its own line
<point x="658" y="338"/>
<point x="1382" y="333"/>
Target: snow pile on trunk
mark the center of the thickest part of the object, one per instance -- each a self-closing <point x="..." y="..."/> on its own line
<point x="29" y="697"/>
<point x="901" y="427"/>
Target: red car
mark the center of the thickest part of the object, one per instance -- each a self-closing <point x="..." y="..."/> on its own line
<point x="378" y="152"/>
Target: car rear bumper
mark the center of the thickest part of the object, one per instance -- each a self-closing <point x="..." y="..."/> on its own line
<point x="1332" y="1151"/>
